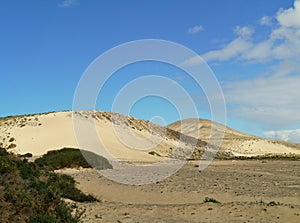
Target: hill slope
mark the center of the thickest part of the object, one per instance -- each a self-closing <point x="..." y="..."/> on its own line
<point x="128" y="138"/>
<point x="235" y="142"/>
<point x="124" y="137"/>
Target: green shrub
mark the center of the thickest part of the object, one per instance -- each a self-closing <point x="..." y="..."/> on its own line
<point x="68" y="157"/>
<point x="27" y="170"/>
<point x="6" y="165"/>
<point x="29" y="193"/>
<point x="66" y="186"/>
<point x="63" y="214"/>
<point x="3" y="152"/>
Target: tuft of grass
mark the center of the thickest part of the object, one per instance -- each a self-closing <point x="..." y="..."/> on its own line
<point x="12" y="146"/>
<point x="260" y="201"/>
<point x="72" y="158"/>
<point x="153" y="153"/>
<point x="210" y="200"/>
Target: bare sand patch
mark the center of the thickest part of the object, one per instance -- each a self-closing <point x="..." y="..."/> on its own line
<point x="248" y="191"/>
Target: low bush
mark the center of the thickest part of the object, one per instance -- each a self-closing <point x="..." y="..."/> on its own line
<point x="68" y="157"/>
<point x="67" y="188"/>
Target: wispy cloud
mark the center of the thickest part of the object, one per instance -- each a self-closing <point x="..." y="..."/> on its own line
<point x="273" y="102"/>
<point x="235" y="48"/>
<point x="67" y="3"/>
<point x="286" y="135"/>
<point x="266" y="21"/>
<point x="195" y="29"/>
<point x="272" y="99"/>
<point x="244" y="31"/>
<point x="282" y="44"/>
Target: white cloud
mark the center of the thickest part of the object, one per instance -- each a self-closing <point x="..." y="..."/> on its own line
<point x="192" y="61"/>
<point x="282" y="44"/>
<point x="233" y="49"/>
<point x="290" y="17"/>
<point x="288" y="46"/>
<point x="266" y="21"/>
<point x="273" y="101"/>
<point x="195" y="29"/>
<point x="243" y="31"/>
<point x="286" y="135"/>
<point x="67" y="3"/>
<point x="258" y="52"/>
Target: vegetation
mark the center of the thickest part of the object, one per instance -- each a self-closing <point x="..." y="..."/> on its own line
<point x="66" y="185"/>
<point x="71" y="158"/>
<point x="224" y="155"/>
<point x="290" y="157"/>
<point x="260" y="201"/>
<point x="153" y="153"/>
<point x="199" y="154"/>
<point x="12" y="146"/>
<point x="211" y="200"/>
<point x="26" y="155"/>
<point x="29" y="193"/>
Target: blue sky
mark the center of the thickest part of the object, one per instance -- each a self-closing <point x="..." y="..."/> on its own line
<point x="252" y="46"/>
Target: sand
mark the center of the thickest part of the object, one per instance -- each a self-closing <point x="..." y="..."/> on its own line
<point x="248" y="191"/>
<point x="40" y="133"/>
<point x="235" y="142"/>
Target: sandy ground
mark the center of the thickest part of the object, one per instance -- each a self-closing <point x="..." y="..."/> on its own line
<point x="248" y="191"/>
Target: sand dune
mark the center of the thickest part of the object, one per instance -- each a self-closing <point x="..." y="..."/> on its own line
<point x="117" y="136"/>
<point x="126" y="138"/>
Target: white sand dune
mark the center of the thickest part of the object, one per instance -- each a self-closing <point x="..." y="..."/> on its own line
<point x="40" y="133"/>
<point x="123" y="137"/>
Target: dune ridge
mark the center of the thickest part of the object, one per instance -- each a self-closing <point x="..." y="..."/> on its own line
<point x="40" y="133"/>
